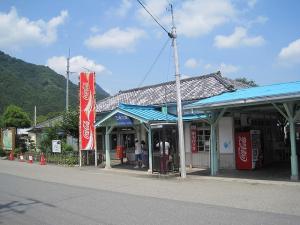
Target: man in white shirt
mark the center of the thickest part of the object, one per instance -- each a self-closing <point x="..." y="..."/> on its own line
<point x="161" y="147"/>
<point x="164" y="155"/>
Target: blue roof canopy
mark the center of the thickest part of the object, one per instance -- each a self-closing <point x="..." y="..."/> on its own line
<point x="145" y="114"/>
<point x="254" y="95"/>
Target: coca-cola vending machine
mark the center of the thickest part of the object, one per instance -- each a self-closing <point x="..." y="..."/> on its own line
<point x="247" y="149"/>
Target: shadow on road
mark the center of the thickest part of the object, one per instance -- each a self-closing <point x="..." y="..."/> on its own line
<point x="20" y="207"/>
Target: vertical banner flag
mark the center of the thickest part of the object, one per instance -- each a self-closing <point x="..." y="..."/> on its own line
<point x="194" y="138"/>
<point x="87" y="111"/>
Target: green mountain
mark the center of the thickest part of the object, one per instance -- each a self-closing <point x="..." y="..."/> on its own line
<point x="26" y="85"/>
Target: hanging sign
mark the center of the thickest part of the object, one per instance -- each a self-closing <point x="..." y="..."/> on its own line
<point x="56" y="146"/>
<point x="8" y="139"/>
<point x="123" y="120"/>
<point x="194" y="138"/>
<point x="87" y="111"/>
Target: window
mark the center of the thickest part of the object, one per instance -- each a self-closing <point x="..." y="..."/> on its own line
<point x="200" y="135"/>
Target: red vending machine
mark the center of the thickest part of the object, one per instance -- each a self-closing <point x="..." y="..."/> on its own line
<point x="247" y="149"/>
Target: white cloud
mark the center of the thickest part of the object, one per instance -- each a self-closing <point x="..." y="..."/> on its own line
<point x="192" y="18"/>
<point x="225" y="69"/>
<point x="183" y="76"/>
<point x="228" y="68"/>
<point x="191" y="63"/>
<point x="124" y="8"/>
<point x="208" y="67"/>
<point x="94" y="29"/>
<point x="17" y="32"/>
<point x="251" y="3"/>
<point x="77" y="64"/>
<point x="291" y="53"/>
<point x="237" y="39"/>
<point x="115" y="38"/>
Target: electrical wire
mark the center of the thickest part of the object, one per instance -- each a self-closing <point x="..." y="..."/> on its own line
<point x="155" y="19"/>
<point x="154" y="62"/>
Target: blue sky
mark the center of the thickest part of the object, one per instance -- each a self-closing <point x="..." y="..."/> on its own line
<point x="257" y="39"/>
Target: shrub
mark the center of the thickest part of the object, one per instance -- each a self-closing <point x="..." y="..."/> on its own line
<point x="67" y="148"/>
<point x="2" y="152"/>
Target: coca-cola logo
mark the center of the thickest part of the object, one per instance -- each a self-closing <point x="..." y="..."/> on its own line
<point x="86" y="91"/>
<point x="242" y="148"/>
<point x="86" y="129"/>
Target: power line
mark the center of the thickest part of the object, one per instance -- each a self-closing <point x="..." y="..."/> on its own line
<point x="154" y="62"/>
<point x="156" y="20"/>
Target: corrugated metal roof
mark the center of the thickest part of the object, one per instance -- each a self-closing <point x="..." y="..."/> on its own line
<point x="281" y="90"/>
<point x="192" y="117"/>
<point x="192" y="89"/>
<point x="147" y="113"/>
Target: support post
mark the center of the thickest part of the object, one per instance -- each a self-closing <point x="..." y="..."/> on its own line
<point x="96" y="150"/>
<point x="214" y="161"/>
<point x="107" y="148"/>
<point x="150" y="150"/>
<point x="289" y="108"/>
<point x="80" y="158"/>
<point x="294" y="157"/>
<point x="213" y="151"/>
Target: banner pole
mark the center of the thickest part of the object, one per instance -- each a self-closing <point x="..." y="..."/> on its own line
<point x="95" y="131"/>
<point x="80" y="157"/>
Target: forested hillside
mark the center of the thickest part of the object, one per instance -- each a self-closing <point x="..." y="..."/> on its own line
<point x="26" y="85"/>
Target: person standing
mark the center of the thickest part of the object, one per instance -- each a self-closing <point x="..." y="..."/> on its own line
<point x="138" y="153"/>
<point x="164" y="155"/>
<point x="144" y="154"/>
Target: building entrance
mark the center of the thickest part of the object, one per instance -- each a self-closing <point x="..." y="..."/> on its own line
<point x="165" y="148"/>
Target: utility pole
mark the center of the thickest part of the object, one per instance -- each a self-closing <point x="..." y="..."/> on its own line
<point x="173" y="35"/>
<point x="67" y="81"/>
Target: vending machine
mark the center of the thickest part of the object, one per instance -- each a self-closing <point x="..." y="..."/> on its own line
<point x="248" y="150"/>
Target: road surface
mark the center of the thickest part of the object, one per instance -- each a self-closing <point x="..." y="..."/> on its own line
<point x="31" y="194"/>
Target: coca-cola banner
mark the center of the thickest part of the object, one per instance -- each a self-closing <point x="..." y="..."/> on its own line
<point x="87" y="111"/>
<point x="243" y="151"/>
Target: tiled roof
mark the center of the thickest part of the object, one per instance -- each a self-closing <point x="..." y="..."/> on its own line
<point x="192" y="89"/>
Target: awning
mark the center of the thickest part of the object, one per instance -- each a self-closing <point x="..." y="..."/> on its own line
<point x="251" y="96"/>
<point x="143" y="114"/>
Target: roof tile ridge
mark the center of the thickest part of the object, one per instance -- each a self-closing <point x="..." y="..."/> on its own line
<point x="218" y="76"/>
<point x="169" y="82"/>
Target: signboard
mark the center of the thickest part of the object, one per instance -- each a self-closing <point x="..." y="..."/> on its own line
<point x="56" y="146"/>
<point x="8" y="139"/>
<point x="123" y="120"/>
<point x="194" y="138"/>
<point x="243" y="150"/>
<point x="87" y="111"/>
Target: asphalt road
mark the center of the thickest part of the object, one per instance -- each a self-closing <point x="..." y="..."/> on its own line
<point x="30" y="201"/>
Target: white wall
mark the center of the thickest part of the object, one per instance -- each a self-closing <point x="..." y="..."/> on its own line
<point x="226" y="142"/>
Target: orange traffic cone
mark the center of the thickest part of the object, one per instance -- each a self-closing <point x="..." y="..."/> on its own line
<point x="43" y="160"/>
<point x="30" y="159"/>
<point x="22" y="158"/>
<point x="11" y="156"/>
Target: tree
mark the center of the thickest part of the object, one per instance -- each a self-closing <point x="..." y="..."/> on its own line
<point x="244" y="80"/>
<point x="70" y="123"/>
<point x="14" y="116"/>
<point x="1" y="122"/>
<point x="49" y="134"/>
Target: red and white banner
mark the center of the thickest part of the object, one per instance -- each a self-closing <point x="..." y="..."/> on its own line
<point x="87" y="111"/>
<point x="243" y="154"/>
